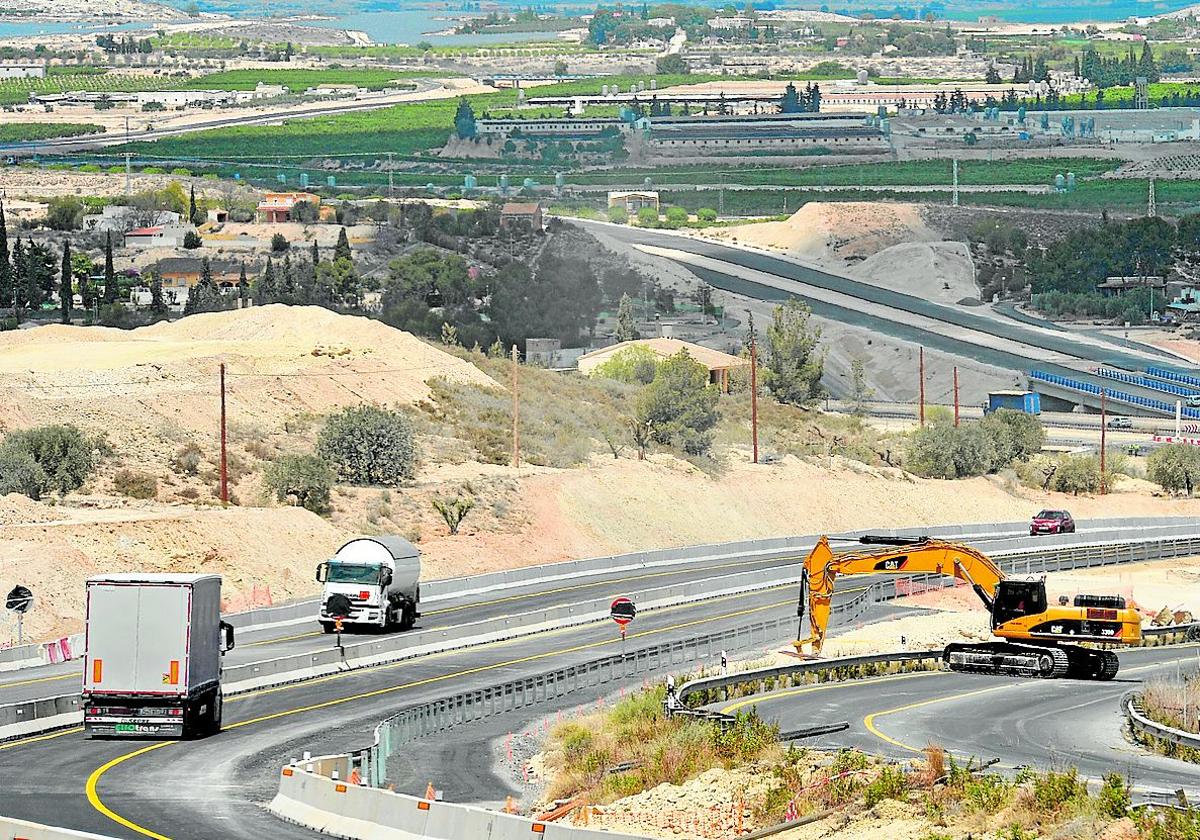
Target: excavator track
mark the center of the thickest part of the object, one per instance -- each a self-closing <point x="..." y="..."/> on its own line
<point x="1045" y="662"/>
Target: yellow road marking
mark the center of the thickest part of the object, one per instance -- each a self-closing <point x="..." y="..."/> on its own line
<point x="94" y="798"/>
<point x="71" y="676"/>
<point x="869" y="720"/>
<point x="9" y="744"/>
<point x="93" y="780"/>
<point x="282" y="639"/>
<point x="753" y="701"/>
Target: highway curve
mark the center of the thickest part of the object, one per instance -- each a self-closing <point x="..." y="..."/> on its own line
<point x="1040" y="723"/>
<point x="215" y="788"/>
<point x="1067" y="347"/>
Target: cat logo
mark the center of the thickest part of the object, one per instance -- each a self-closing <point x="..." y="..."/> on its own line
<point x="1056" y="628"/>
<point x="892" y="564"/>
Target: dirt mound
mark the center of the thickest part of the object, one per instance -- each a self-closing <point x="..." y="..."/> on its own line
<point x="937" y="271"/>
<point x="264" y="555"/>
<point x="16" y="509"/>
<point x="157" y="386"/>
<point x="839" y="231"/>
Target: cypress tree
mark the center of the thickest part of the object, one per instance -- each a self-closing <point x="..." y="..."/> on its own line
<point x="192" y="206"/>
<point x="316" y="254"/>
<point x="341" y="251"/>
<point x="7" y="288"/>
<point x="243" y="284"/>
<point x="110" y="276"/>
<point x="65" y="292"/>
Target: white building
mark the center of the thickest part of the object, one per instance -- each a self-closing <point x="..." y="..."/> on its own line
<point x="119" y="218"/>
<point x="22" y="71"/>
<point x="159" y="236"/>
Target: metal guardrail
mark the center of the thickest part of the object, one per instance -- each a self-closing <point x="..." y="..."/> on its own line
<point x="1144" y="727"/>
<point x="390" y="649"/>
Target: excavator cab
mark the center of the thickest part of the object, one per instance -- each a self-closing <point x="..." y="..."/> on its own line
<point x="1016" y="598"/>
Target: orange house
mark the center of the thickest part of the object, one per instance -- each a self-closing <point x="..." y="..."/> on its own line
<point x="277" y="206"/>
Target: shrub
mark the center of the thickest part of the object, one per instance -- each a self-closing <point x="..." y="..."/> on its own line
<point x="454" y="511"/>
<point x="942" y="450"/>
<point x="618" y="215"/>
<point x="187" y="459"/>
<point x="706" y="214"/>
<point x="986" y="794"/>
<point x="1113" y="799"/>
<point x="20" y="473"/>
<point x="676" y="216"/>
<point x="890" y="784"/>
<point x="680" y="405"/>
<point x="134" y="484"/>
<point x="1077" y="474"/>
<point x="279" y="243"/>
<point x="1175" y="467"/>
<point x="64" y="213"/>
<point x="647" y="217"/>
<point x="304" y="480"/>
<point x="368" y="444"/>
<point x="632" y="364"/>
<point x="1015" y="435"/>
<point x="192" y="240"/>
<point x="1054" y="789"/>
<point x="64" y="453"/>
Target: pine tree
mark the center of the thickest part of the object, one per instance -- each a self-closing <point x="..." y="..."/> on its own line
<point x="341" y="251"/>
<point x="110" y="276"/>
<point x="265" y="290"/>
<point x="65" y="292"/>
<point x="7" y="287"/>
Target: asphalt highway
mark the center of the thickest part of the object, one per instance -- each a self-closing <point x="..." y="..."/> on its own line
<point x="1040" y="723"/>
<point x="270" y="643"/>
<point x="1074" y="354"/>
<point x="215" y="788"/>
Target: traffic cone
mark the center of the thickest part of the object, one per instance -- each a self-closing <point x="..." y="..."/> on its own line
<point x="429" y="792"/>
<point x="510" y="807"/>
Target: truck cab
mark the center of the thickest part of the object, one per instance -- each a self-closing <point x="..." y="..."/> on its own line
<point x="371" y="583"/>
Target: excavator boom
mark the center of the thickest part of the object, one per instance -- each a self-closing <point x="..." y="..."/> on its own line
<point x="1035" y="636"/>
<point x="921" y="555"/>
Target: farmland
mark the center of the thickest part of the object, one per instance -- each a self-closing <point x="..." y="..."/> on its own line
<point x="23" y="132"/>
<point x="300" y="80"/>
<point x="16" y="91"/>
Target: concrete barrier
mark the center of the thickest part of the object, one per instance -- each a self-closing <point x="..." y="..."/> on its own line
<point x="11" y="829"/>
<point x="363" y="813"/>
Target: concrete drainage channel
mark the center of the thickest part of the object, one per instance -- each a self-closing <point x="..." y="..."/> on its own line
<point x="54" y="712"/>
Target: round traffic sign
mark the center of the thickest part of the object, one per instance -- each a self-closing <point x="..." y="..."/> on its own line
<point x="622" y="611"/>
<point x="19" y="600"/>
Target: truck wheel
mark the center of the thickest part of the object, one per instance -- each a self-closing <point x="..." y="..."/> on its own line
<point x="218" y="710"/>
<point x="406" y="617"/>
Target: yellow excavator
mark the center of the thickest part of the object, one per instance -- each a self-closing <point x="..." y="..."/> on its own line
<point x="1036" y="637"/>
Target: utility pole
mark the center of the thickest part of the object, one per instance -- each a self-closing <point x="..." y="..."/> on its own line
<point x="224" y="468"/>
<point x="956" y="396"/>
<point x="1151" y="208"/>
<point x="128" y="174"/>
<point x="753" y="390"/>
<point x="921" y="389"/>
<point x="391" y="177"/>
<point x="516" y="432"/>
<point x="1103" y="429"/>
<point x="955" y="193"/>
<point x="721" y="196"/>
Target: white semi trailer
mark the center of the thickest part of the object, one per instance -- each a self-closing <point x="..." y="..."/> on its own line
<point x="152" y="666"/>
<point x="371" y="583"/>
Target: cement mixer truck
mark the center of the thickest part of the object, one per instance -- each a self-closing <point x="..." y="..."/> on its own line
<point x="372" y="583"/>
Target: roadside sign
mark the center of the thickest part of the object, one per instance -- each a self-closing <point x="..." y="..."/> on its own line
<point x="622" y="612"/>
<point x="19" y="600"/>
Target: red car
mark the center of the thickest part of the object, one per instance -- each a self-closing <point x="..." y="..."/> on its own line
<point x="1052" y="522"/>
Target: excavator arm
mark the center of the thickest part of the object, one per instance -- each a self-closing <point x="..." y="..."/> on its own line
<point x="895" y="556"/>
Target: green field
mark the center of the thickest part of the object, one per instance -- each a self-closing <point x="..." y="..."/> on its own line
<point x="300" y="80"/>
<point x="22" y="132"/>
<point x="16" y="91"/>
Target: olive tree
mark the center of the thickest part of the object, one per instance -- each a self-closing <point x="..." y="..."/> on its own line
<point x="942" y="450"/>
<point x="1016" y="435"/>
<point x="304" y="480"/>
<point x="1175" y="468"/>
<point x="1077" y="474"/>
<point x="369" y="444"/>
<point x="63" y="453"/>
